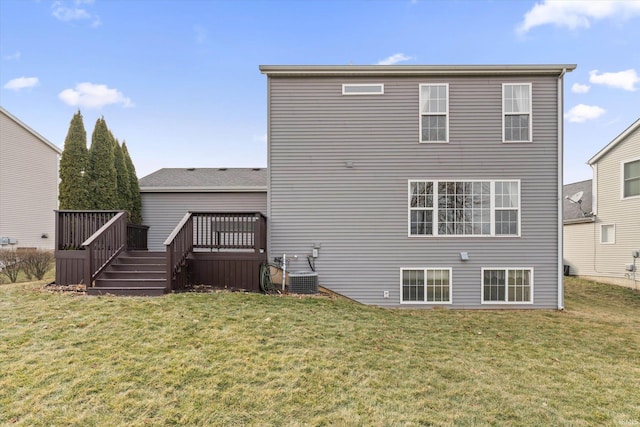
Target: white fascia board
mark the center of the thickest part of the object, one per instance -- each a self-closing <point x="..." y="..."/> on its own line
<point x="261" y="189"/>
<point x="615" y="142"/>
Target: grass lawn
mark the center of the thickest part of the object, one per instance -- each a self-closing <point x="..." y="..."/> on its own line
<point x="249" y="359"/>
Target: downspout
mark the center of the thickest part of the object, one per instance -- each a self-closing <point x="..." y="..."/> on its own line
<point x="560" y="181"/>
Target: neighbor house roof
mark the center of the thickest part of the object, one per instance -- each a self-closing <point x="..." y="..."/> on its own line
<point x="196" y="180"/>
<point x="571" y="212"/>
<point x="44" y="140"/>
<point x="382" y="70"/>
<point x="615" y="142"/>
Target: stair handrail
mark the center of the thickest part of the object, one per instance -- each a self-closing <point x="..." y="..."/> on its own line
<point x="104" y="246"/>
<point x="179" y="245"/>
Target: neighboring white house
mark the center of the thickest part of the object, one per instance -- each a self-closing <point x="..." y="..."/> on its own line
<point x="599" y="247"/>
<point x="169" y="193"/>
<point x="28" y="185"/>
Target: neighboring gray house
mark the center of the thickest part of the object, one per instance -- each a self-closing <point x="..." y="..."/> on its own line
<point x="420" y="186"/>
<point x="168" y="194"/>
<point x="28" y="185"/>
<point x="600" y="247"/>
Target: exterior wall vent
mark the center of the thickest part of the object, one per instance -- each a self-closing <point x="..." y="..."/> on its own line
<point x="303" y="282"/>
<point x="363" y="89"/>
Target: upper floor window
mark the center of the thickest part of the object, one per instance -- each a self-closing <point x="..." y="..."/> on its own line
<point x="516" y="112"/>
<point x="434" y="112"/>
<point x="631" y="179"/>
<point x="363" y="89"/>
<point x="464" y="208"/>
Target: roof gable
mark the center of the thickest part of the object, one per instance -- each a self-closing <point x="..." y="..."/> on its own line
<point x="628" y="131"/>
<point x="31" y="131"/>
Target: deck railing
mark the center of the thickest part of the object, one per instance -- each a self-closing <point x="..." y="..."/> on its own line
<point x="137" y="237"/>
<point x="179" y="245"/>
<point x="220" y="231"/>
<point x="74" y="227"/>
<point x="104" y="246"/>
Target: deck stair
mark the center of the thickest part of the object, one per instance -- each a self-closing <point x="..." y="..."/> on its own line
<point x="135" y="273"/>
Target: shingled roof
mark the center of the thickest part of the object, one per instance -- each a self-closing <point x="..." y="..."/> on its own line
<point x="205" y="180"/>
<point x="571" y="211"/>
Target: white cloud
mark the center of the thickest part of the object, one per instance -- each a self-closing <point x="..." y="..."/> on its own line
<point x="93" y="96"/>
<point x="260" y="138"/>
<point x="621" y="80"/>
<point x="21" y="83"/>
<point x="65" y="13"/>
<point x="394" y="59"/>
<point x="581" y="113"/>
<point x="580" y="88"/>
<point x="575" y="14"/>
<point x="13" y="57"/>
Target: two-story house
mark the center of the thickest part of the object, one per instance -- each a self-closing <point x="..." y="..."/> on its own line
<point x="600" y="246"/>
<point x="28" y="185"/>
<point x="420" y="186"/>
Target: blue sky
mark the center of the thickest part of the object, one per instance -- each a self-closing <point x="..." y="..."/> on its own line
<point x="179" y="80"/>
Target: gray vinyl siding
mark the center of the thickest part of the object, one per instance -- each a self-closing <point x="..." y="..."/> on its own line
<point x="28" y="186"/>
<point x="612" y="209"/>
<point x="358" y="216"/>
<point x="163" y="211"/>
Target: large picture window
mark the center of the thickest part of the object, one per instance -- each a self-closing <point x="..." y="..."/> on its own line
<point x="464" y="208"/>
<point x="434" y="112"/>
<point x="631" y="179"/>
<point x="425" y="285"/>
<point x="507" y="285"/>
<point x="516" y="110"/>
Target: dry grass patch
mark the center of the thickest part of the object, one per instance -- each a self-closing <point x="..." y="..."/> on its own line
<point x="248" y="359"/>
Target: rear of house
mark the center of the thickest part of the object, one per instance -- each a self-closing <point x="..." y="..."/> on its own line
<point x="420" y="186"/>
<point x="28" y="185"/>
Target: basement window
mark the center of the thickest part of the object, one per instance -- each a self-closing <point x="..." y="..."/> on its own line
<point x="363" y="89"/>
<point x="425" y="285"/>
<point x="507" y="285"/>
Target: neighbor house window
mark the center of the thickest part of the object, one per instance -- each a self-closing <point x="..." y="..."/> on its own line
<point x="631" y="179"/>
<point x="434" y="112"/>
<point x="464" y="208"/>
<point x="607" y="233"/>
<point x="425" y="285"/>
<point x="507" y="285"/>
<point x="516" y="110"/>
<point x="363" y="89"/>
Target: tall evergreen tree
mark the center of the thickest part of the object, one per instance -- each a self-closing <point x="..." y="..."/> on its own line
<point x="74" y="191"/>
<point x="136" y="200"/>
<point x="123" y="180"/>
<point x="102" y="171"/>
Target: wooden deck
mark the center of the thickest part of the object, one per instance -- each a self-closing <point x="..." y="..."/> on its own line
<point x="99" y="249"/>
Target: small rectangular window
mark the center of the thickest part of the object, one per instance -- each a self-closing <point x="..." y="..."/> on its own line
<point x="607" y="233"/>
<point x="425" y="285"/>
<point x="516" y="112"/>
<point x="631" y="179"/>
<point x="507" y="285"/>
<point x="434" y="112"/>
<point x="363" y="89"/>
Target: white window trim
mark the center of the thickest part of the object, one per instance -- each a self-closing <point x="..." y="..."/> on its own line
<point x="435" y="210"/>
<point x="446" y="141"/>
<point x="506" y="269"/>
<point x="425" y="269"/>
<point x="622" y="163"/>
<point x="381" y="85"/>
<point x="614" y="234"/>
<point x="530" y="113"/>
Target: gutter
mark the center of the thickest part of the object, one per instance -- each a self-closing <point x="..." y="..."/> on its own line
<point x="204" y="189"/>
<point x="560" y="188"/>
